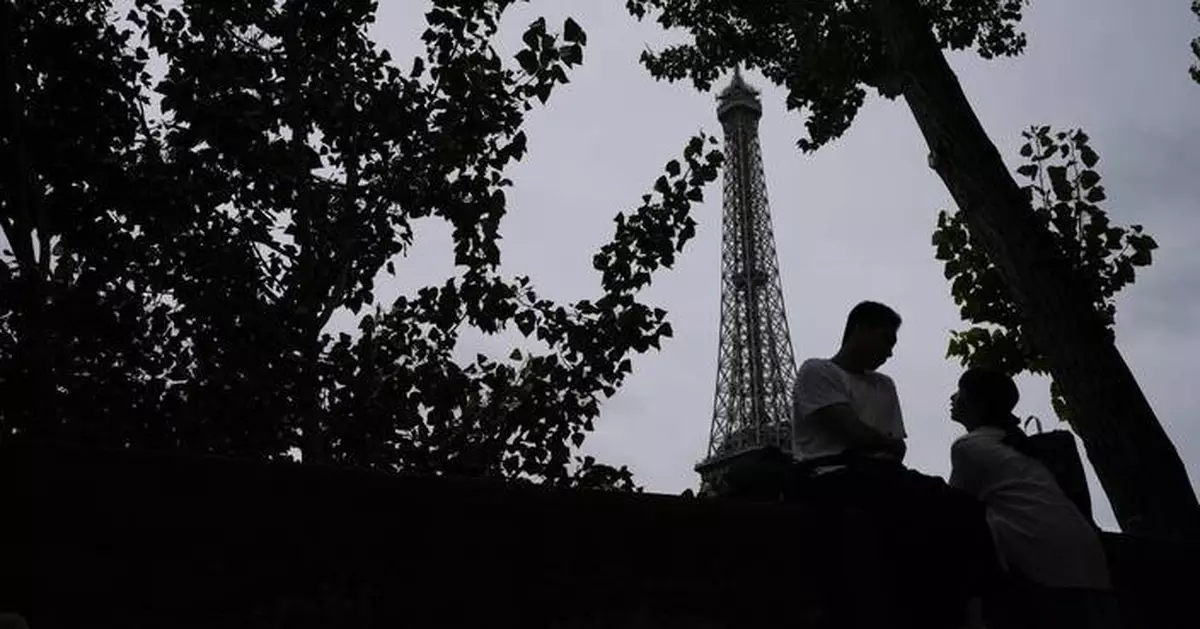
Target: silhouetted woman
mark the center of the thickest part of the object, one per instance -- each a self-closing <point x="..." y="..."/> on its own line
<point x="1055" y="572"/>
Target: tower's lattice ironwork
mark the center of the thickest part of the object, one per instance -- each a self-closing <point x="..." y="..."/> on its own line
<point x="755" y="364"/>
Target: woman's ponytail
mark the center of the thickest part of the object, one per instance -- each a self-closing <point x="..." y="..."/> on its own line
<point x="1014" y="437"/>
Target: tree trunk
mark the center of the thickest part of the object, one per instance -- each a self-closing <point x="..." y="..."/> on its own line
<point x="302" y="295"/>
<point x="1134" y="459"/>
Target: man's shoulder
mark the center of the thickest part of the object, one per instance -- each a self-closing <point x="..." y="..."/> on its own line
<point x="819" y="364"/>
<point x="884" y="378"/>
<point x="818" y="376"/>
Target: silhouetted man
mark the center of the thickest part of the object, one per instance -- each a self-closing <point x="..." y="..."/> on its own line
<point x="844" y="410"/>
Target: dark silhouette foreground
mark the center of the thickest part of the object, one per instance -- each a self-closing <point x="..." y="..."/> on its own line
<point x="94" y="539"/>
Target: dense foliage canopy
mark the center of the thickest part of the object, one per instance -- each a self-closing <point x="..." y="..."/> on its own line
<point x="199" y="186"/>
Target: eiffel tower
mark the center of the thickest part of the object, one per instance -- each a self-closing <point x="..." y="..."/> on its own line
<point x="751" y="422"/>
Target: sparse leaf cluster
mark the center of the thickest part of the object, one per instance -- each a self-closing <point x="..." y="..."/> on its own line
<point x="1065" y="192"/>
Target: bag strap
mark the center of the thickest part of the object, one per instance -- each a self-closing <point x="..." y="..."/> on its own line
<point x="1034" y="420"/>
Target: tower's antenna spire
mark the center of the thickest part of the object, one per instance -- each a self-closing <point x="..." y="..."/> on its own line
<point x="755" y="365"/>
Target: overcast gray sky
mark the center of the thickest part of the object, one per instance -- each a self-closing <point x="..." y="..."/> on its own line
<point x="853" y="221"/>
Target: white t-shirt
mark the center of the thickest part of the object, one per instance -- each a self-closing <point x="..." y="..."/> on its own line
<point x="1039" y="533"/>
<point x="820" y="382"/>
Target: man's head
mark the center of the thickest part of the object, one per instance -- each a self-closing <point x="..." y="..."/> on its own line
<point x="870" y="335"/>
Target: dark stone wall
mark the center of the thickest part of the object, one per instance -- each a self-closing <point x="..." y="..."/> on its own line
<point x="94" y="540"/>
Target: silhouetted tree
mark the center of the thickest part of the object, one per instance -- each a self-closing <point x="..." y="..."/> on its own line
<point x="1065" y="192"/>
<point x="827" y="54"/>
<point x="172" y="277"/>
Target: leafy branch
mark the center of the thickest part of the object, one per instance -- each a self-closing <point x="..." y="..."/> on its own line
<point x="824" y="53"/>
<point x="1065" y="192"/>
